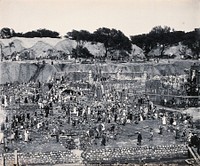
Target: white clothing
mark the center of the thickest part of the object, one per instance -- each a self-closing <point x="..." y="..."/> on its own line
<point x="164" y="120"/>
<point x="1" y="138"/>
<point x="5" y="103"/>
<point x="12" y="136"/>
<point x="39" y="125"/>
<point x="83" y="112"/>
<point x="103" y="127"/>
<point x="141" y="118"/>
<point x="89" y="111"/>
<point x="26" y="135"/>
<point x="156" y="116"/>
<point x="174" y="123"/>
<point x="189" y="137"/>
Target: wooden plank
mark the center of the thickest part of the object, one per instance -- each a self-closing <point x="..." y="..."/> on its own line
<point x="194" y="156"/>
<point x="197" y="155"/>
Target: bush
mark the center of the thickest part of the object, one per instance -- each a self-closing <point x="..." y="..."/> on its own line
<point x="81" y="52"/>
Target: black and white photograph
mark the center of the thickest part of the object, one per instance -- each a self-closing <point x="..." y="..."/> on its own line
<point x="99" y="82"/>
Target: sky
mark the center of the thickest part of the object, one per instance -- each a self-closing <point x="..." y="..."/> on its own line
<point x="132" y="17"/>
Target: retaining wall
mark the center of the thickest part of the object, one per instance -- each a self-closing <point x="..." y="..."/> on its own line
<point x="107" y="155"/>
<point x="47" y="158"/>
<point x="134" y="154"/>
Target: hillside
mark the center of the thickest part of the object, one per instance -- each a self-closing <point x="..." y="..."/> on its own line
<point x="65" y="45"/>
<point x="175" y="51"/>
<point x="14" y="45"/>
<point x="41" y="46"/>
<point x="24" y="71"/>
<point x="27" y="71"/>
<point x="29" y="42"/>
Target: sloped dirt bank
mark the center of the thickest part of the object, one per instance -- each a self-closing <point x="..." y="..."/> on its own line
<point x="30" y="71"/>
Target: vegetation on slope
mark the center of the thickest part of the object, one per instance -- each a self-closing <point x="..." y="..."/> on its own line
<point x="155" y="44"/>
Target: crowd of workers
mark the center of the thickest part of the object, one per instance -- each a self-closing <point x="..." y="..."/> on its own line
<point x="94" y="114"/>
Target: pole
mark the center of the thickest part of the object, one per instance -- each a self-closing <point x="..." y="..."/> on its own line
<point x="16" y="158"/>
<point x="3" y="160"/>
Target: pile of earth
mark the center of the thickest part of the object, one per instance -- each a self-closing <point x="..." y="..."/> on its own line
<point x="175" y="52"/>
<point x="40" y="46"/>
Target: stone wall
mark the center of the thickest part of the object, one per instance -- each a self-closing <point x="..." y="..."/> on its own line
<point x="134" y="154"/>
<point x="105" y="155"/>
<point x="47" y="158"/>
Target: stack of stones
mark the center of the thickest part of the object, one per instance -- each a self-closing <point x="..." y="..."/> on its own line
<point x="100" y="155"/>
<point x="1" y="159"/>
<point x="59" y="157"/>
<point x="128" y="154"/>
<point x="9" y="158"/>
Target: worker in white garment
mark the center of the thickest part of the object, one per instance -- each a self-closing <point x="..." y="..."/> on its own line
<point x="26" y="135"/>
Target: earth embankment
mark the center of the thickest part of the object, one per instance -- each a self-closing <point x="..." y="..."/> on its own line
<point x="32" y="71"/>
